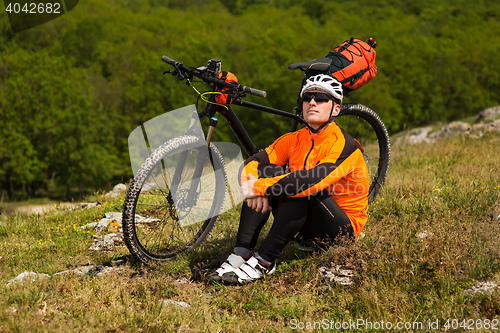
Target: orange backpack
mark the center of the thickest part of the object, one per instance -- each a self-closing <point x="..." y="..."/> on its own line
<point x="223" y="98"/>
<point x="353" y="62"/>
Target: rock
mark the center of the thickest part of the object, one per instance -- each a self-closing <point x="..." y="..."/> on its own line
<point x="112" y="240"/>
<point x="488" y="113"/>
<point x="93" y="270"/>
<point x="416" y="135"/>
<point x="119" y="189"/>
<point x="101" y="225"/>
<point x="107" y="242"/>
<point x="488" y="120"/>
<point x="456" y="127"/>
<point x="109" y="232"/>
<point x="337" y="274"/>
<point x="481" y="128"/>
<point x="183" y="280"/>
<point x="27" y="277"/>
<point x="89" y="270"/>
<point x="80" y="270"/>
<point x="424" y="234"/>
<point x="452" y="129"/>
<point x="100" y="269"/>
<point x="481" y="288"/>
<point x="89" y="225"/>
<point x="117" y="216"/>
<point x="183" y="305"/>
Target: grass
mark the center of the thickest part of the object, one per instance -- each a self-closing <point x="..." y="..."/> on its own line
<point x="449" y="191"/>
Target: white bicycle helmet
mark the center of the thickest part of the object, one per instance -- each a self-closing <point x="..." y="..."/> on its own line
<point x="325" y="83"/>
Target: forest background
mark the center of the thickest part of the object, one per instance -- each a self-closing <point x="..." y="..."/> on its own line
<point x="73" y="89"/>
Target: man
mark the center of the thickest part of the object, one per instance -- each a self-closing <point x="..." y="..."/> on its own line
<point x="322" y="196"/>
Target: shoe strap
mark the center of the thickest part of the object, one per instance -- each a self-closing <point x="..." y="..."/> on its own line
<point x="254" y="268"/>
<point x="247" y="272"/>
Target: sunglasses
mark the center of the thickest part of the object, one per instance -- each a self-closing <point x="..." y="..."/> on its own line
<point x="319" y="97"/>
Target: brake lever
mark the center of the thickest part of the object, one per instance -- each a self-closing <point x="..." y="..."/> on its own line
<point x="177" y="73"/>
<point x="174" y="73"/>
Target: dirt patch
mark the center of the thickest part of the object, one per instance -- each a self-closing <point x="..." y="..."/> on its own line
<point x="41" y="209"/>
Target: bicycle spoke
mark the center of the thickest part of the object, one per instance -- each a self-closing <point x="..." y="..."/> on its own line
<point x="173" y="221"/>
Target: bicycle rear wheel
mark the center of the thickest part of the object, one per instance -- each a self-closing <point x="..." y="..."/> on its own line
<point x="366" y="126"/>
<point x="159" y="220"/>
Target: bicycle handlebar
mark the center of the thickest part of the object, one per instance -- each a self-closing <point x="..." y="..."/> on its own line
<point x="170" y="61"/>
<point x="212" y="79"/>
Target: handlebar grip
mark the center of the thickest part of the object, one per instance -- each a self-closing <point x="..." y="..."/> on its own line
<point x="256" y="92"/>
<point x="169" y="61"/>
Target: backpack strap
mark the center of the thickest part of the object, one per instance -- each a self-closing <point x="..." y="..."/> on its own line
<point x="347" y="43"/>
<point x="354" y="77"/>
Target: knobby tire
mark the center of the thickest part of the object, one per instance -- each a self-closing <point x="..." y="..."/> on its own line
<point x="162" y="237"/>
<point x="365" y="125"/>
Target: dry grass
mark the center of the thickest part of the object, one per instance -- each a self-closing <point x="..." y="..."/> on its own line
<point x="448" y="191"/>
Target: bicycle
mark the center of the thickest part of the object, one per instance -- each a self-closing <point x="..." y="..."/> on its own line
<point x="181" y="186"/>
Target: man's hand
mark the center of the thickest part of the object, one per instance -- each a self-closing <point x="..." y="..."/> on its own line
<point x="259" y="204"/>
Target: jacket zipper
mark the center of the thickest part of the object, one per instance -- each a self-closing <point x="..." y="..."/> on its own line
<point x="307" y="156"/>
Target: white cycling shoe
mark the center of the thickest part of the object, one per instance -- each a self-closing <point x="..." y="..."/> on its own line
<point x="249" y="271"/>
<point x="232" y="263"/>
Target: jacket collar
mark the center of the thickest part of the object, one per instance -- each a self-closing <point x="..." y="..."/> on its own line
<point x="326" y="133"/>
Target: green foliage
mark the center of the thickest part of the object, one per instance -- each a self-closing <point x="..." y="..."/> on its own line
<point x="72" y="89"/>
<point x="51" y="125"/>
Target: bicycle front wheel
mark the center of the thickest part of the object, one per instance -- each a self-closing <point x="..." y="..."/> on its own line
<point x="366" y="126"/>
<point x="174" y="200"/>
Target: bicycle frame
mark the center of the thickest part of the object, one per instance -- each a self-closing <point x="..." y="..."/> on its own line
<point x="237" y="127"/>
<point x="240" y="132"/>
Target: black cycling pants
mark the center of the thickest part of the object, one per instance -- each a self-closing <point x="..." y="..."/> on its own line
<point x="317" y="217"/>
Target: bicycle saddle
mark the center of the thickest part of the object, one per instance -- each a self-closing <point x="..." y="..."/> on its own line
<point x="320" y="65"/>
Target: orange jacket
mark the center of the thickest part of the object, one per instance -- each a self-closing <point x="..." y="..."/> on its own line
<point x="330" y="160"/>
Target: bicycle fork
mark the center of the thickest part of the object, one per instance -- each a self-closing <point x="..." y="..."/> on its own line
<point x="204" y="152"/>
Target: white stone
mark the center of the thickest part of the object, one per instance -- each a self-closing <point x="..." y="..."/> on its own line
<point x="80" y="270"/>
<point x="89" y="225"/>
<point x="116" y="216"/>
<point x="94" y="269"/>
<point x="178" y="304"/>
<point x="183" y="280"/>
<point x="119" y="189"/>
<point x="482" y="287"/>
<point x="27" y="277"/>
<point x="107" y="242"/>
<point x="424" y="234"/>
<point x="338" y="275"/>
